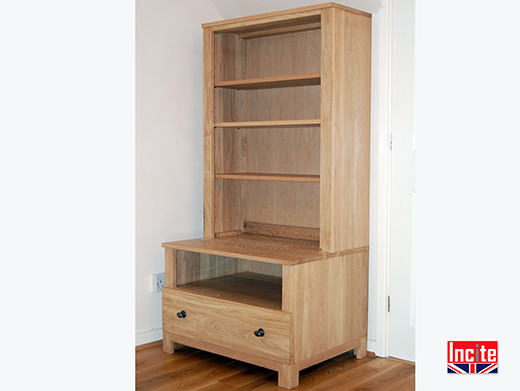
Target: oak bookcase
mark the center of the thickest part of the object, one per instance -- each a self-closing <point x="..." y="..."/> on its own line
<point x="280" y="279"/>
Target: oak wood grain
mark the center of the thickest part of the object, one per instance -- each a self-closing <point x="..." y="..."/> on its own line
<point x="312" y="79"/>
<point x="254" y="176"/>
<point x="283" y="203"/>
<point x="209" y="133"/>
<point x="345" y="129"/>
<point x="261" y="248"/>
<point x="294" y="13"/>
<point x="269" y="124"/>
<point x="248" y="288"/>
<point x="335" y="314"/>
<point x="280" y="30"/>
<point x="285" y="231"/>
<point x="231" y="326"/>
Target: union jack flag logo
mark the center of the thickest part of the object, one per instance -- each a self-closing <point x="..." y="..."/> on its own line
<point x="472" y="368"/>
<point x="473" y="357"/>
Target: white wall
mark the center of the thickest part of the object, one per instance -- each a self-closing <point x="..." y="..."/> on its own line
<point x="168" y="141"/>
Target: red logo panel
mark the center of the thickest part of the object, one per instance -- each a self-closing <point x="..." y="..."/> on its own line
<point x="472" y="357"/>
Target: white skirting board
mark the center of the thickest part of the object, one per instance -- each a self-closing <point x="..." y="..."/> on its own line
<point x="371" y="345"/>
<point x="148" y="336"/>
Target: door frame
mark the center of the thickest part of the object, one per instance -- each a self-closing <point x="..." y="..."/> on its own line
<point x="380" y="180"/>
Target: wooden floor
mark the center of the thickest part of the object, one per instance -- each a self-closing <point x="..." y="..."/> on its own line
<point x="192" y="369"/>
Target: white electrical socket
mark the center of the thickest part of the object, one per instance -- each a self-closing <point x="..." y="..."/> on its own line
<point x="158" y="282"/>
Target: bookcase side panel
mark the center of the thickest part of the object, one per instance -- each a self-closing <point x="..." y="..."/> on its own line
<point x="228" y="153"/>
<point x="351" y="119"/>
<point x="328" y="300"/>
<point x="209" y="134"/>
<point x="345" y="130"/>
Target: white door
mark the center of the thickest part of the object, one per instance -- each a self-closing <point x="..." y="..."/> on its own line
<point x="401" y="316"/>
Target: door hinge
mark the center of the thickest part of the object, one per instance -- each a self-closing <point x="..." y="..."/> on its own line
<point x="388" y="303"/>
<point x="391" y="141"/>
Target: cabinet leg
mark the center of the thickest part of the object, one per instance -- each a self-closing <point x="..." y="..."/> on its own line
<point x="288" y="376"/>
<point x="362" y="350"/>
<point x="168" y="344"/>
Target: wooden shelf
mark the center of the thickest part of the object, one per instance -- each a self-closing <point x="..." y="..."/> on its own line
<point x="271" y="177"/>
<point x="248" y="288"/>
<point x="270" y="249"/>
<point x="270" y="124"/>
<point x="312" y="79"/>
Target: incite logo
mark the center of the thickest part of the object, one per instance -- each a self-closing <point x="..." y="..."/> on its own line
<point x="472" y="357"/>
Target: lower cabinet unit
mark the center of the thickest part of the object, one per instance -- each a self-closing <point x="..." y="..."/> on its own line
<point x="268" y="310"/>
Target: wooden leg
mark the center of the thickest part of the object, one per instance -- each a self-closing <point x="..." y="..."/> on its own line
<point x="362" y="350"/>
<point x="168" y="344"/>
<point x="288" y="376"/>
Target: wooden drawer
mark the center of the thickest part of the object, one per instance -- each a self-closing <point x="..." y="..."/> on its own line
<point x="228" y="324"/>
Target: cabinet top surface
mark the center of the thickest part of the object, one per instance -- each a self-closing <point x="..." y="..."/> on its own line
<point x="285" y="14"/>
<point x="255" y="247"/>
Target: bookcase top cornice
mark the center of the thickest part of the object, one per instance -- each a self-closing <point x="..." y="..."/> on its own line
<point x="290" y="13"/>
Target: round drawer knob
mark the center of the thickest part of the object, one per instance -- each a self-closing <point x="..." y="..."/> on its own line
<point x="259" y="332"/>
<point x="181" y="314"/>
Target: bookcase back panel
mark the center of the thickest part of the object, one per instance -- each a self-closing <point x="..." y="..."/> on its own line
<point x="282" y="203"/>
<point x="230" y="150"/>
<point x="278" y="103"/>
<point x="280" y="55"/>
<point x="276" y="55"/>
<point x="268" y="150"/>
<point x="287" y="150"/>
